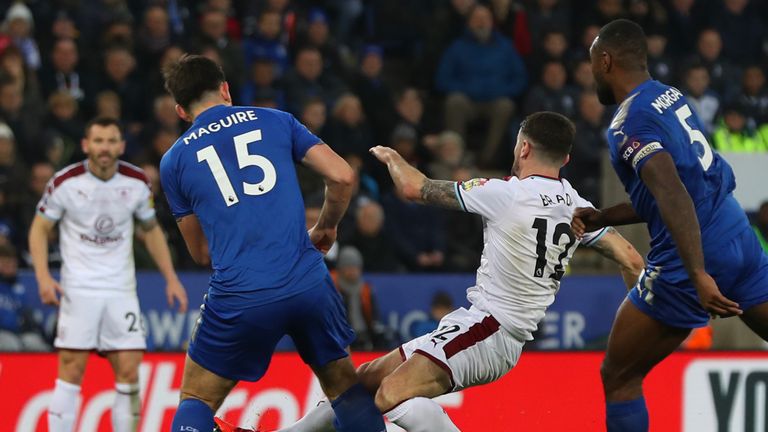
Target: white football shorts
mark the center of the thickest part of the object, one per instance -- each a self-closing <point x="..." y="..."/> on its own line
<point x="102" y="323"/>
<point x="470" y="345"/>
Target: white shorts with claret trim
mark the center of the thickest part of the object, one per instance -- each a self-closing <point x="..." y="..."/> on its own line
<point x="102" y="323"/>
<point x="470" y="346"/>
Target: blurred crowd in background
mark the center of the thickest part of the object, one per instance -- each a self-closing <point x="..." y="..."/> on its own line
<point x="444" y="82"/>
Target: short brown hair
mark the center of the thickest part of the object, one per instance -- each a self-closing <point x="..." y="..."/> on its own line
<point x="103" y="122"/>
<point x="553" y="133"/>
<point x="191" y="77"/>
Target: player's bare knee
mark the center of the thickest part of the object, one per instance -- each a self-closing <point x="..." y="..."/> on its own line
<point x="127" y="375"/>
<point x="71" y="368"/>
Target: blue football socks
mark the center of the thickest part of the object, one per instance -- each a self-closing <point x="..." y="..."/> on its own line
<point x="627" y="416"/>
<point x="193" y="415"/>
<point x="356" y="412"/>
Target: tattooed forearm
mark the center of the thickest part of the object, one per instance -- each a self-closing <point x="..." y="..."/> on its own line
<point x="603" y="246"/>
<point x="440" y="193"/>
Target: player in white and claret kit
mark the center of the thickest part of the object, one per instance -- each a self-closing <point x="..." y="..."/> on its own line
<point x="95" y="203"/>
<point x="528" y="243"/>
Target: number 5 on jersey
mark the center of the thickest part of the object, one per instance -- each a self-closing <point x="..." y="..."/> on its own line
<point x="244" y="159"/>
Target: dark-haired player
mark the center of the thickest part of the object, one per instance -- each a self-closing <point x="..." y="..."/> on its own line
<point x="704" y="260"/>
<point x="231" y="183"/>
<point x="528" y="243"/>
<point x="97" y="204"/>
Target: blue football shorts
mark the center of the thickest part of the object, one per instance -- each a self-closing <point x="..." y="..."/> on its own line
<point x="739" y="266"/>
<point x="238" y="343"/>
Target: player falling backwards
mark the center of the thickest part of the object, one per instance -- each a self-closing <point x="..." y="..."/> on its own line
<point x="527" y="246"/>
<point x="231" y="183"/>
<point x="704" y="259"/>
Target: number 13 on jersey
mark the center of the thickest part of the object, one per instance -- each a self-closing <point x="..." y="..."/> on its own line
<point x="244" y="159"/>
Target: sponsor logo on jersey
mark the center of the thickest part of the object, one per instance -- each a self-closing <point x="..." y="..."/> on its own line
<point x="476" y="182"/>
<point x="645" y="151"/>
<point x="100" y="241"/>
<point x="629" y="149"/>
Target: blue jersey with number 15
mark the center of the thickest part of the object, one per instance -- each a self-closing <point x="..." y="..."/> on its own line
<point x="657" y="118"/>
<point x="234" y="169"/>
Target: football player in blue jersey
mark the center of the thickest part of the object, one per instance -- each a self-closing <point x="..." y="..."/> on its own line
<point x="231" y="184"/>
<point x="704" y="260"/>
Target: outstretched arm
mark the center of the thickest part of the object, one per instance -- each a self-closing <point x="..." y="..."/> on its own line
<point x="616" y="248"/>
<point x="587" y="219"/>
<point x="414" y="185"/>
<point x="679" y="215"/>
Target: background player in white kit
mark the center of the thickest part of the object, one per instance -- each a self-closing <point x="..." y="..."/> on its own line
<point x="528" y="243"/>
<point x="95" y="203"/>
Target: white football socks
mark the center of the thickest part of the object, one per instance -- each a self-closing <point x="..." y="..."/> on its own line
<point x="318" y="419"/>
<point x="62" y="411"/>
<point x="125" y="411"/>
<point x="421" y="415"/>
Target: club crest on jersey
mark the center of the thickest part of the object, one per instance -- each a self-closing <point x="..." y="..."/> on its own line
<point x="476" y="182"/>
<point x="104" y="224"/>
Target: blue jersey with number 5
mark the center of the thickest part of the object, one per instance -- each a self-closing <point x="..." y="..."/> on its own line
<point x="657" y="118"/>
<point x="234" y="169"/>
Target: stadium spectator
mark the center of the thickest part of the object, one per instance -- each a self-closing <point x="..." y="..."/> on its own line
<point x="307" y="79"/>
<point x="553" y="94"/>
<point x="647" y="13"/>
<point x="213" y="33"/>
<point x="348" y="130"/>
<point x="582" y="76"/>
<point x="464" y="242"/>
<point x="359" y="301"/>
<point x="26" y="208"/>
<point x="119" y="76"/>
<point x="660" y="66"/>
<point x="723" y="74"/>
<point x="583" y="171"/>
<point x="754" y="95"/>
<point x="22" y="116"/>
<point x="440" y="306"/>
<point x="511" y="19"/>
<point x="761" y="225"/>
<point x="12" y="64"/>
<point x="741" y="28"/>
<point x="547" y="15"/>
<point x="417" y="231"/>
<point x="374" y="92"/>
<point x="12" y="168"/>
<point x="409" y="108"/>
<point x="701" y="97"/>
<point x="449" y="155"/>
<point x="734" y="135"/>
<point x="554" y="47"/>
<point x="480" y="73"/>
<point x="63" y="121"/>
<point x="154" y="37"/>
<point x="62" y="72"/>
<point x="683" y="27"/>
<point x="19" y="25"/>
<point x="446" y="23"/>
<point x="608" y="10"/>
<point x="314" y="116"/>
<point x="19" y="331"/>
<point x="379" y="253"/>
<point x="336" y="58"/>
<point x="267" y="44"/>
<point x="262" y="84"/>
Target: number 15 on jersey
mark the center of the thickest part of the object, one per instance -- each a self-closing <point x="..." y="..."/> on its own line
<point x="244" y="159"/>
